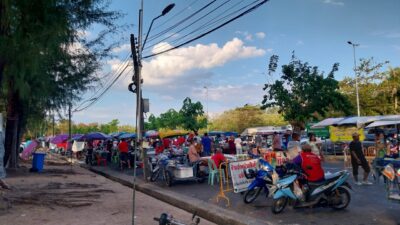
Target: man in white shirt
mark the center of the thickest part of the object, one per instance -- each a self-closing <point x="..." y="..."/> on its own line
<point x="238" y="144"/>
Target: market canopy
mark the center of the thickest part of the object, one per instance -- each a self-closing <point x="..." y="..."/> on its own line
<point x="95" y="136"/>
<point x="117" y="134"/>
<point x="127" y="136"/>
<point x="60" y="138"/>
<point x="266" y="130"/>
<point x="354" y="120"/>
<point x="215" y="133"/>
<point x="383" y="123"/>
<point x="172" y="133"/>
<point x="151" y="134"/>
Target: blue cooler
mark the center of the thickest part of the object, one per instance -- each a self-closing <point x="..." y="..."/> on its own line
<point x="38" y="161"/>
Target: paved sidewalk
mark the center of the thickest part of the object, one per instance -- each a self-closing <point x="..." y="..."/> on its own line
<point x="61" y="196"/>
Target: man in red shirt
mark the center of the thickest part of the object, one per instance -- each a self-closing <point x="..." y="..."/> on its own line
<point x="311" y="164"/>
<point x="218" y="158"/>
<point x="166" y="143"/>
<point x="123" y="148"/>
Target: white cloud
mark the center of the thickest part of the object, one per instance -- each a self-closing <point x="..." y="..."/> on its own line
<point x="167" y="68"/>
<point x="231" y="95"/>
<point x="334" y="2"/>
<point x="247" y="36"/>
<point x="396" y="47"/>
<point x="299" y="42"/>
<point x="122" y="48"/>
<point x="260" y="35"/>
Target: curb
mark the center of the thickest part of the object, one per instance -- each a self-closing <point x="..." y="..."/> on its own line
<point x="203" y="209"/>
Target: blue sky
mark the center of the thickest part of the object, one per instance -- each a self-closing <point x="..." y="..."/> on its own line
<point x="232" y="60"/>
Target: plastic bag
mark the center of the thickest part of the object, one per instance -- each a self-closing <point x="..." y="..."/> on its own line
<point x="297" y="190"/>
<point x="388" y="172"/>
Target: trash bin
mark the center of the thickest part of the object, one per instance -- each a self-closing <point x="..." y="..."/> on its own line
<point x="38" y="161"/>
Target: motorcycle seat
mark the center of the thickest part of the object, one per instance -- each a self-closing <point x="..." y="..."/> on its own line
<point x="328" y="178"/>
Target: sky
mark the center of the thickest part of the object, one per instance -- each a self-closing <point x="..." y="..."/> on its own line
<point x="231" y="62"/>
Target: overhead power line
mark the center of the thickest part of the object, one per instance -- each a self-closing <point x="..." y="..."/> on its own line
<point x="212" y="21"/>
<point x="96" y="99"/>
<point x="210" y="31"/>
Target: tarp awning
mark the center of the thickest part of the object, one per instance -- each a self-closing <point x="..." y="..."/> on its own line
<point x="383" y="123"/>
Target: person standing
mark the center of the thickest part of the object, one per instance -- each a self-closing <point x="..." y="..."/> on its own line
<point x="358" y="159"/>
<point x="293" y="148"/>
<point x="238" y="145"/>
<point x="206" y="142"/>
<point x="315" y="147"/>
<point x="231" y="145"/>
<point x="123" y="148"/>
<point x="276" y="142"/>
<point x="258" y="140"/>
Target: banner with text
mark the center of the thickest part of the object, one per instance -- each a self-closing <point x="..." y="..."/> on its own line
<point x="239" y="180"/>
<point x="345" y="133"/>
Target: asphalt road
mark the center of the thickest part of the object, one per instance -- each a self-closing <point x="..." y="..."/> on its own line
<point x="368" y="206"/>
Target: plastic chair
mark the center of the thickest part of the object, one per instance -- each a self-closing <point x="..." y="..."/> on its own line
<point x="115" y="158"/>
<point x="101" y="160"/>
<point x="213" y="172"/>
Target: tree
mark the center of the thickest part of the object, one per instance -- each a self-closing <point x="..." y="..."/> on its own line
<point x="378" y="90"/>
<point x="192" y="115"/>
<point x="303" y="92"/>
<point x="240" y="118"/>
<point x="44" y="61"/>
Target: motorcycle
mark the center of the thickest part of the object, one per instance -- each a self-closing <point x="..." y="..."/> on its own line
<point x="166" y="219"/>
<point x="262" y="181"/>
<point x="333" y="192"/>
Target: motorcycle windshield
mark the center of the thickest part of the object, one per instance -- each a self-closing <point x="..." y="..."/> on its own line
<point x="264" y="165"/>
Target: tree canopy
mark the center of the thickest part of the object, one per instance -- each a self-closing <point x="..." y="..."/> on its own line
<point x="240" y="118"/>
<point x="190" y="117"/>
<point x="303" y="93"/>
<point x="378" y="90"/>
<point x="45" y="61"/>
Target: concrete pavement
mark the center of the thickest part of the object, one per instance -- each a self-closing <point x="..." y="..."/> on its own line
<point x="369" y="205"/>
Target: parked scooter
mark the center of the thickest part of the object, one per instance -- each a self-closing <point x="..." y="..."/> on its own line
<point x="333" y="192"/>
<point x="263" y="181"/>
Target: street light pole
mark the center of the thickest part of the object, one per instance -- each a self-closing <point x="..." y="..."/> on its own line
<point x="137" y="81"/>
<point x="356" y="74"/>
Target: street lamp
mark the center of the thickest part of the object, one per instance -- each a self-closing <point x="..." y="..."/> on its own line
<point x="137" y="79"/>
<point x="163" y="13"/>
<point x="205" y="87"/>
<point x="355" y="71"/>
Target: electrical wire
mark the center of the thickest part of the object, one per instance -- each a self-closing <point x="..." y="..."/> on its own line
<point x="176" y="14"/>
<point x="105" y="90"/>
<point x="214" y="20"/>
<point x="151" y="38"/>
<point x="191" y="24"/>
<point x="114" y="74"/>
<point x="210" y="31"/>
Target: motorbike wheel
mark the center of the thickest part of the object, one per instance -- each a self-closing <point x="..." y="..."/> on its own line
<point x="201" y="177"/>
<point x="154" y="175"/>
<point x="344" y="196"/>
<point x="168" y="178"/>
<point x="251" y="195"/>
<point x="278" y="205"/>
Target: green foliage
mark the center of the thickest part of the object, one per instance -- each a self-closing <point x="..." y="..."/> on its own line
<point x="82" y="128"/>
<point x="303" y="93"/>
<point x="45" y="61"/>
<point x="240" y="118"/>
<point x="378" y="91"/>
<point x="192" y="115"/>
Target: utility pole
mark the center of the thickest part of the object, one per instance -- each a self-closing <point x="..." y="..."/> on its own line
<point x="54" y="130"/>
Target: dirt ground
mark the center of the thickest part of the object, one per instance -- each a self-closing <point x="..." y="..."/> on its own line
<point x="64" y="196"/>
